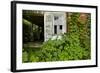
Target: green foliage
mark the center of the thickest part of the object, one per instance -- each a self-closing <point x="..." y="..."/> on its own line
<point x="26" y="30"/>
<point x="25" y="56"/>
<point x="67" y="48"/>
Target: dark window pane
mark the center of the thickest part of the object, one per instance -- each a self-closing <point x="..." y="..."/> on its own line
<point x="60" y="27"/>
<point x="55" y="29"/>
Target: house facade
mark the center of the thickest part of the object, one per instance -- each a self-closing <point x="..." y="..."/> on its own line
<point x="54" y="24"/>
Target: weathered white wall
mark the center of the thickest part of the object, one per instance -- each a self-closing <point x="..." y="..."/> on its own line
<point x="48" y="25"/>
<point x="50" y="22"/>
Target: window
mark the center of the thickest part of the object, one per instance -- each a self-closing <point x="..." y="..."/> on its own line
<point x="60" y="27"/>
<point x="55" y="29"/>
<point x="56" y="17"/>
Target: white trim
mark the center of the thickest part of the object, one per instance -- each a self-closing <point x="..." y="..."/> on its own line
<point x="34" y="65"/>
